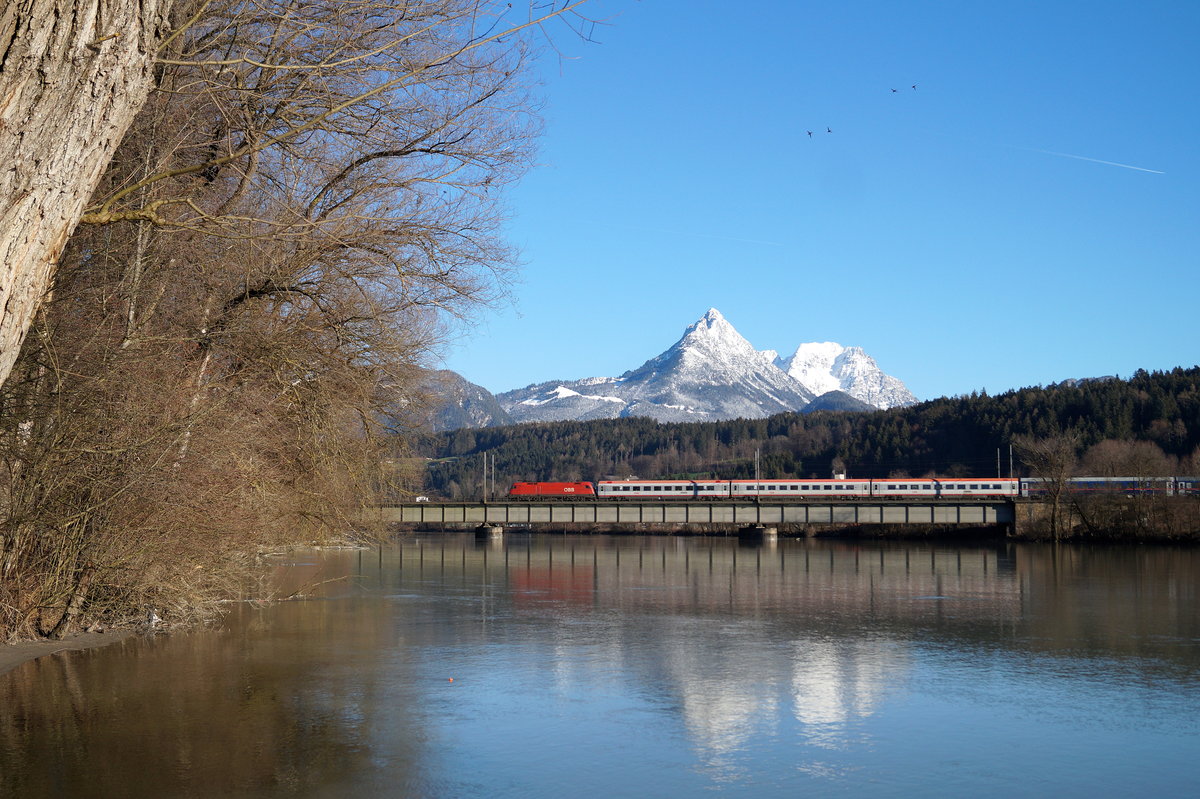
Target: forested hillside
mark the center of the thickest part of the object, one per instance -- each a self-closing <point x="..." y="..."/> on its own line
<point x="956" y="436"/>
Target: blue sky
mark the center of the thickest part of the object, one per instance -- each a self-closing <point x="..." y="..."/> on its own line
<point x="955" y="231"/>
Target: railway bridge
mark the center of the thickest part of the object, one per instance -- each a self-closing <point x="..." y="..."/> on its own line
<point x="622" y="514"/>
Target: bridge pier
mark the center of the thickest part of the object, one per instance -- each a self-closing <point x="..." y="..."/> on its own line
<point x="486" y="531"/>
<point x="758" y="532"/>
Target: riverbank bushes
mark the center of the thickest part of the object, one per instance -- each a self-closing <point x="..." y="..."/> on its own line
<point x="241" y="319"/>
<point x="1112" y="517"/>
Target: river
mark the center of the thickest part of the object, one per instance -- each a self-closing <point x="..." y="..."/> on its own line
<point x="551" y="666"/>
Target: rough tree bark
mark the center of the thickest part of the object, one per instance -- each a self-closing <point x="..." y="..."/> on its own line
<point x="73" y="74"/>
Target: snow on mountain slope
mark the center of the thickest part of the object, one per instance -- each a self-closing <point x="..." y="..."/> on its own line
<point x="826" y="366"/>
<point x="713" y="373"/>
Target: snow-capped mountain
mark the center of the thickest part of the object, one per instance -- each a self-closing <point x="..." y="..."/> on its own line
<point x="711" y="373"/>
<point x="827" y="366"/>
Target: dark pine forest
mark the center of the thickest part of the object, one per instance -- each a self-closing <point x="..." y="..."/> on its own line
<point x="1154" y="416"/>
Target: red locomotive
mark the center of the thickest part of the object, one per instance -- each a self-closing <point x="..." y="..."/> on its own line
<point x="530" y="490"/>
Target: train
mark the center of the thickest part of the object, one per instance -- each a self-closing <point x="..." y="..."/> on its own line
<point x="899" y="488"/>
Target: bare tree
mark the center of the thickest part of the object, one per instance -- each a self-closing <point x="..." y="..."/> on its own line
<point x="73" y="74"/>
<point x="1123" y="458"/>
<point x="264" y="266"/>
<point x="1052" y="459"/>
<point x="387" y="92"/>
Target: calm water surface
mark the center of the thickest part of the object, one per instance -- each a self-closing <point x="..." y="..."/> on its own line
<point x="551" y="666"/>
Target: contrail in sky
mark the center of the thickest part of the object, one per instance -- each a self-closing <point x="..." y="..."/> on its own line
<point x="1093" y="160"/>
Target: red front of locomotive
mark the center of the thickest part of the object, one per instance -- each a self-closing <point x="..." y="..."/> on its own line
<point x="528" y="490"/>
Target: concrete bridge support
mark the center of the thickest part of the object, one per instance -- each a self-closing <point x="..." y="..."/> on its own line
<point x="485" y="532"/>
<point x="758" y="532"/>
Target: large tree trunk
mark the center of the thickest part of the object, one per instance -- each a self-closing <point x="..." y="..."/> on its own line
<point x="73" y="73"/>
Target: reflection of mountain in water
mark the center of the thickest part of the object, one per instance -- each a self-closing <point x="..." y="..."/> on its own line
<point x="730" y="695"/>
<point x="728" y="689"/>
<point x="623" y="662"/>
<point x="835" y="683"/>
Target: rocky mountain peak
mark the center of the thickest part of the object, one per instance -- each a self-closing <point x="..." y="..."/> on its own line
<point x="828" y="366"/>
<point x="712" y="372"/>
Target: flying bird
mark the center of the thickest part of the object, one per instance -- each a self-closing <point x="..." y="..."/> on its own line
<point x="893" y="91"/>
<point x="809" y="132"/>
<point x="914" y="87"/>
<point x="829" y="130"/>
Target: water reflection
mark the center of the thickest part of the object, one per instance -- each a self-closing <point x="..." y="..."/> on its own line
<point x="835" y="683"/>
<point x="638" y="666"/>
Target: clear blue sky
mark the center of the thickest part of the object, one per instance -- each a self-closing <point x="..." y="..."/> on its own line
<point x="947" y="230"/>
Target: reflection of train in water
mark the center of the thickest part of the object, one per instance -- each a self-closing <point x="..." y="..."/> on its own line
<point x="925" y="488"/>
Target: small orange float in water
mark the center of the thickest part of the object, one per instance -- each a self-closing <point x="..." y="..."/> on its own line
<point x="451" y="679"/>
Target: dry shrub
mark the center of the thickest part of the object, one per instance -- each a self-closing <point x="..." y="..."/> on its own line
<point x="264" y="270"/>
